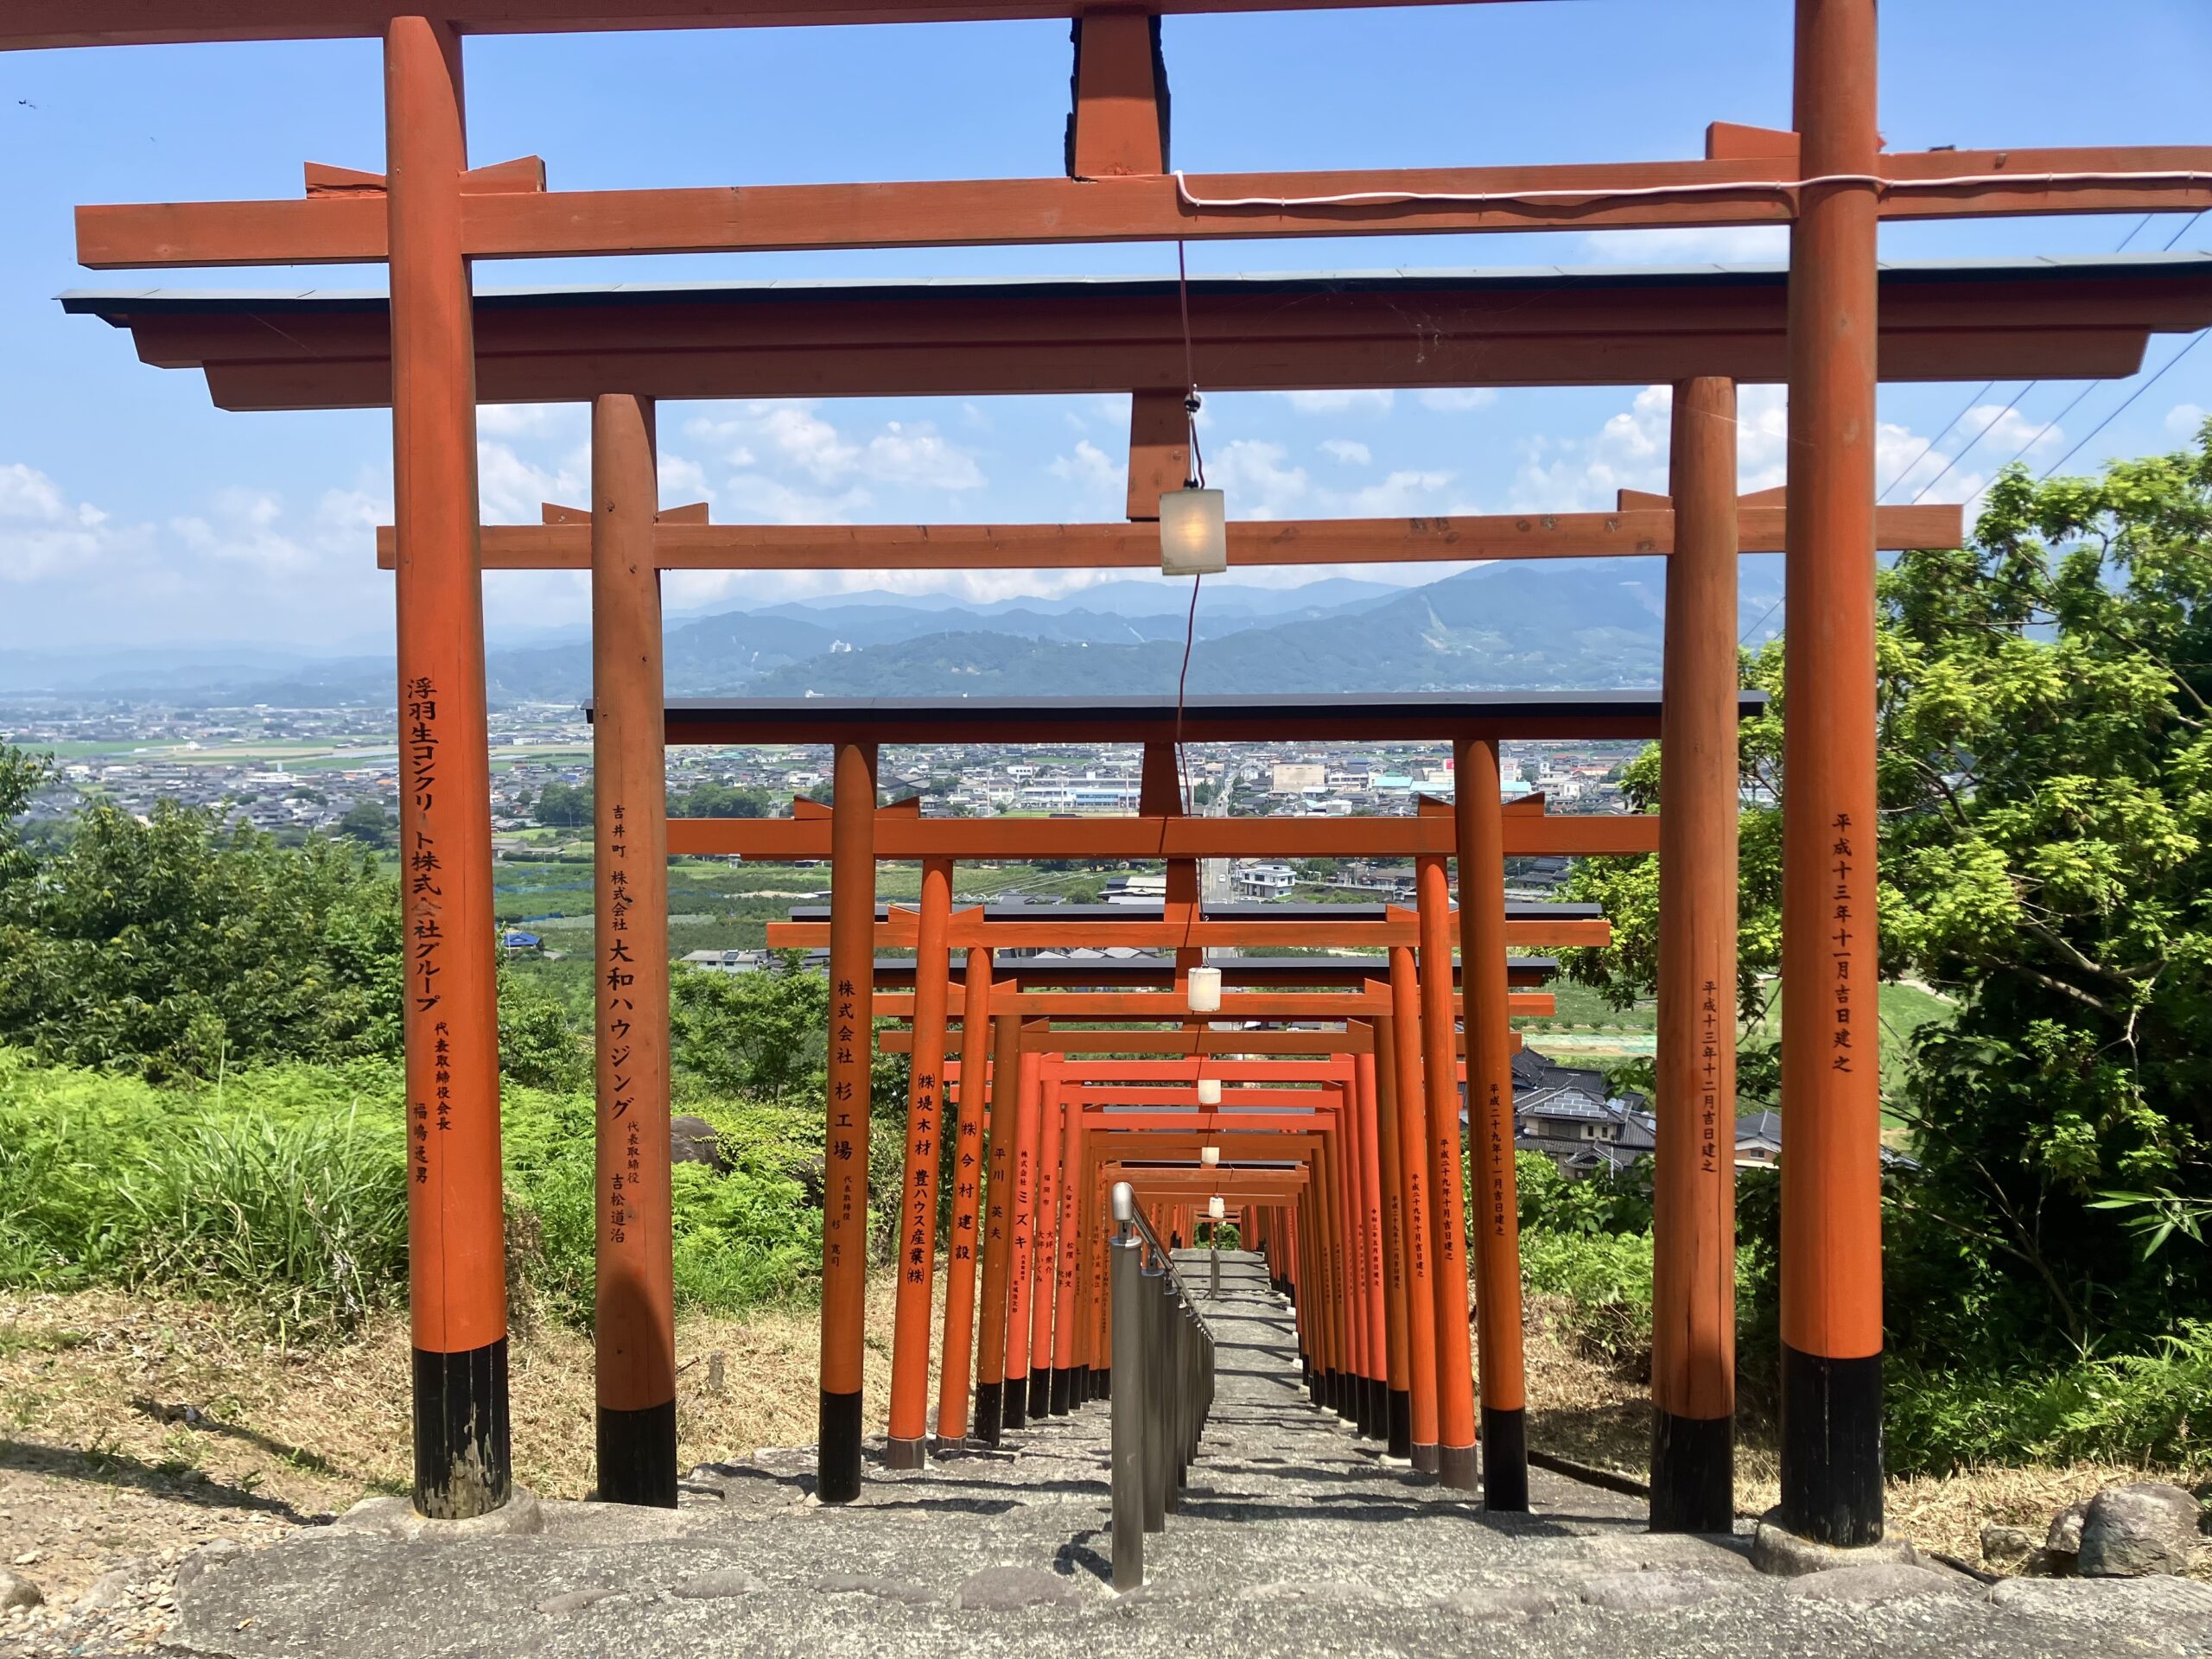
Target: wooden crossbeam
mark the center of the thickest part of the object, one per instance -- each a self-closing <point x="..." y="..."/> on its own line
<point x="757" y="219"/>
<point x="1528" y="835"/>
<point x="692" y="545"/>
<point x="27" y="24"/>
<point x="902" y="931"/>
<point x="1095" y="1006"/>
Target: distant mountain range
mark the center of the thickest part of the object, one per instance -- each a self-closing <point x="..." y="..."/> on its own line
<point x="1543" y="625"/>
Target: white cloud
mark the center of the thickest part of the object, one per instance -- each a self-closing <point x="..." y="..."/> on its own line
<point x="510" y="490"/>
<point x="1261" y="483"/>
<point x="1093" y="472"/>
<point x="567" y="421"/>
<point x="43" y="533"/>
<point x="1457" y="400"/>
<point x="2184" y="421"/>
<point x="1340" y="402"/>
<point x="1349" y="451"/>
<point x="1583" y="474"/>
<point x="765" y="444"/>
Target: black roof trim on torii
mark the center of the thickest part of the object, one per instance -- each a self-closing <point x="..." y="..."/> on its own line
<point x="1348" y="716"/>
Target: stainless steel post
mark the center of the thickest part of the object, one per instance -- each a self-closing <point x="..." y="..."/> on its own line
<point x="1154" y="1393"/>
<point x="1126" y="1291"/>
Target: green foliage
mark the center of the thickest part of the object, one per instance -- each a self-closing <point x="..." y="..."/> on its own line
<point x="1602" y="1282"/>
<point x="176" y="949"/>
<point x="367" y="822"/>
<point x="761" y="1033"/>
<point x="719" y="800"/>
<point x="568" y="806"/>
<point x="1598" y="1203"/>
<point x="2153" y="1407"/>
<point x="2045" y="777"/>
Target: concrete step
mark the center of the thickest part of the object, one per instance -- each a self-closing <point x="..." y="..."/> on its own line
<point x="1294" y="1538"/>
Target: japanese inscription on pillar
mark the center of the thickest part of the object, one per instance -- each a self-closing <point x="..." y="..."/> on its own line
<point x="845" y="1105"/>
<point x="1708" y="1109"/>
<point x="1841" y="1050"/>
<point x="618" y="982"/>
<point x="425" y="917"/>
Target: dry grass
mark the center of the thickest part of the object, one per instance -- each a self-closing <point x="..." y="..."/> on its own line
<point x="1580" y="1409"/>
<point x="129" y="1425"/>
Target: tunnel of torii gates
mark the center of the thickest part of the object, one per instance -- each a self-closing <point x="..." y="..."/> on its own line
<point x="1813" y="327"/>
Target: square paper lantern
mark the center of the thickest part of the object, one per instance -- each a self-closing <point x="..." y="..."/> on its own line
<point x="1217" y="1208"/>
<point x="1193" y="533"/>
<point x="1208" y="1091"/>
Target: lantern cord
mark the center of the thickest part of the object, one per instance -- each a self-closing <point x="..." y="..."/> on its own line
<point x="1196" y="480"/>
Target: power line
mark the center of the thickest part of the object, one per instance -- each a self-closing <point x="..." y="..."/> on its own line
<point x="1905" y="471"/>
<point x="2195" y="340"/>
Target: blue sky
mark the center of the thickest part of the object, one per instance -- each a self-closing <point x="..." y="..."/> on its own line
<point x="131" y="511"/>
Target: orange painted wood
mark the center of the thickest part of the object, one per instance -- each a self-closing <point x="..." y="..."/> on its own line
<point x="1116" y="129"/>
<point x="1693" y="1267"/>
<point x="962" y="1254"/>
<point x="1494" y="1216"/>
<point x="1236" y="1006"/>
<point x="1403" y="1056"/>
<point x="1831" y="1083"/>
<point x="844" y="1220"/>
<point x="1253" y="933"/>
<point x="37" y="24"/>
<point x="456" y="1248"/>
<point x="1632" y="532"/>
<point x="772" y="840"/>
<point x="634" y="1323"/>
<point x="1020" y="211"/>
<point x="1159" y="458"/>
<point x="1455" y="1401"/>
<point x="926" y="1112"/>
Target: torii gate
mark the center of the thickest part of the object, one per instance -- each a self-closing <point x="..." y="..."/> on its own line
<point x="1829" y="181"/>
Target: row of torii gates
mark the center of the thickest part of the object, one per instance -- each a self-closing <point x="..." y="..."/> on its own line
<point x="1379" y="1057"/>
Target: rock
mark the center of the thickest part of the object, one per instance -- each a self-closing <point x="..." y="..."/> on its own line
<point x="16" y="1590"/>
<point x="1776" y="1549"/>
<point x="212" y="1554"/>
<point x="1878" y="1581"/>
<point x="2153" y="1600"/>
<point x="1006" y="1589"/>
<point x="1656" y="1591"/>
<point x="2142" y="1528"/>
<point x="868" y="1584"/>
<point x="573" y="1601"/>
<point x="1510" y="1601"/>
<point x="110" y="1589"/>
<point x="2007" y="1547"/>
<point x="712" y="1587"/>
<point x="695" y="1141"/>
<point x="395" y="1517"/>
<point x="2062" y="1545"/>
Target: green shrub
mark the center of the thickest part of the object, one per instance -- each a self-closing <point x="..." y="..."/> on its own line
<point x="2151" y="1409"/>
<point x="1602" y="1285"/>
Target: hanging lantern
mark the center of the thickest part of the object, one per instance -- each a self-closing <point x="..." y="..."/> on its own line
<point x="1216" y="1209"/>
<point x="1208" y="1091"/>
<point x="1210" y="1156"/>
<point x="1193" y="532"/>
<point x="1206" y="990"/>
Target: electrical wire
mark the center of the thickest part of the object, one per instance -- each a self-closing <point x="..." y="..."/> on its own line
<point x="2195" y="340"/>
<point x="1905" y="471"/>
<point x="1700" y="187"/>
<point x="1194" y="480"/>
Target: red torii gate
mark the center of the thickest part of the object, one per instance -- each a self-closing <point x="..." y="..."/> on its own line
<point x="1829" y="181"/>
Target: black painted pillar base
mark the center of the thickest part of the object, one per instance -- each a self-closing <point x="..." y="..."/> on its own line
<point x="990" y="1406"/>
<point x="1423" y="1456"/>
<point x="905" y="1454"/>
<point x="837" y="1460"/>
<point x="1362" y="1406"/>
<point x="1400" y="1443"/>
<point x="1040" y="1393"/>
<point x="1692" y="1474"/>
<point x="1058" y="1385"/>
<point x="463" y="1464"/>
<point x="1017" y="1402"/>
<point x="1458" y="1467"/>
<point x="1832" y="1448"/>
<point x="1102" y="1383"/>
<point x="1505" y="1460"/>
<point x="1378" y="1407"/>
<point x="637" y="1456"/>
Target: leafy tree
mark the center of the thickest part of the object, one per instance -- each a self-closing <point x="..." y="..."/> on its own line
<point x="2046" y="779"/>
<point x="367" y="822"/>
<point x="174" y="947"/>
<point x="715" y="800"/>
<point x="565" y="806"/>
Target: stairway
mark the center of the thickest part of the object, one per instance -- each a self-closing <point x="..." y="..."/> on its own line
<point x="1292" y="1539"/>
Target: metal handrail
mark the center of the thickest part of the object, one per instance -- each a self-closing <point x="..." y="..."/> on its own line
<point x="1162" y="1388"/>
<point x="1157" y="1249"/>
